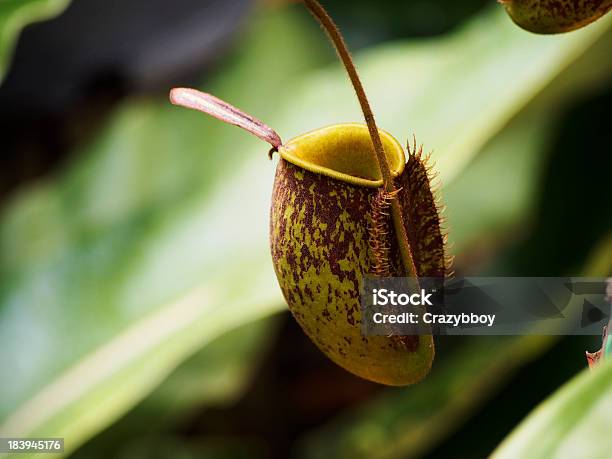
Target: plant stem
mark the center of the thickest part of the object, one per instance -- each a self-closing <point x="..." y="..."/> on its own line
<point x="328" y="24"/>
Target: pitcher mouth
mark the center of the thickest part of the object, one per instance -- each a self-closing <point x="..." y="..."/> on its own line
<point x="344" y="152"/>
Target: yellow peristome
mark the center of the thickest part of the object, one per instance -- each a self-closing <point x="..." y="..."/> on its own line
<point x="344" y="152"/>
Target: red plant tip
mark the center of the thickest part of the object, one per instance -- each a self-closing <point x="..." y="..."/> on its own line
<point x="211" y="105"/>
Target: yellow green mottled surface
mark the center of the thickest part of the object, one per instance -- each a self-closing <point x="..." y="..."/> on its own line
<point x="319" y="234"/>
<point x="345" y="152"/>
<point x="555" y="16"/>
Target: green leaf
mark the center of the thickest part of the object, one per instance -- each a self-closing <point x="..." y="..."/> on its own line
<point x="154" y="242"/>
<point x="15" y="15"/>
<point x="574" y="422"/>
<point x="98" y="389"/>
<point x="215" y="376"/>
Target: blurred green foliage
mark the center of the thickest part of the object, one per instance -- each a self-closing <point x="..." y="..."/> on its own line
<point x="143" y="224"/>
<point x="574" y="422"/>
<point x="395" y="19"/>
<point x="15" y="15"/>
<point x="131" y="275"/>
<point x="403" y="424"/>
